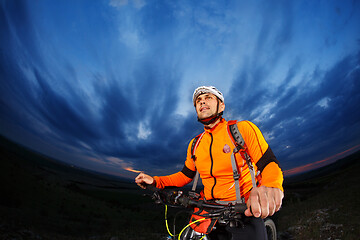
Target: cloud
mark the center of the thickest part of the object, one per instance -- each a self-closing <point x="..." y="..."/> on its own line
<point x="324" y="123"/>
<point x="143" y="132"/>
<point x="324" y="103"/>
<point x="118" y="86"/>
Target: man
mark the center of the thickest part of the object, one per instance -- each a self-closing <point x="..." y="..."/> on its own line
<point x="213" y="162"/>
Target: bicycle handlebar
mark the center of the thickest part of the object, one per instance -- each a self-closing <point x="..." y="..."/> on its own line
<point x="178" y="198"/>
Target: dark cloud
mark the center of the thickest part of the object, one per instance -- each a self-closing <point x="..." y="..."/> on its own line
<point x="123" y="108"/>
<point x="63" y="116"/>
<point x="306" y="120"/>
<point x="302" y="123"/>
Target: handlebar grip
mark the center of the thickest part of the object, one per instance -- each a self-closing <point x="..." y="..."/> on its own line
<point x="184" y="201"/>
<point x="187" y="202"/>
<point x="240" y="207"/>
<point x="151" y="187"/>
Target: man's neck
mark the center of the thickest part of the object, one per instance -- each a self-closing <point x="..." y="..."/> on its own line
<point x="213" y="124"/>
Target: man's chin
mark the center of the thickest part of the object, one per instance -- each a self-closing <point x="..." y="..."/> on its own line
<point x="206" y="117"/>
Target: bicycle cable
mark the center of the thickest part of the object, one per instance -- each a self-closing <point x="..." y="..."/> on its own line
<point x="166" y="223"/>
<point x="201" y="219"/>
<point x="172" y="235"/>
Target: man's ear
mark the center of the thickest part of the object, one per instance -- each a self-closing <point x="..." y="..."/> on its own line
<point x="221" y="106"/>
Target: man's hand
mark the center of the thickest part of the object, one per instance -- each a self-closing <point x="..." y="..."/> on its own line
<point x="143" y="179"/>
<point x="264" y="201"/>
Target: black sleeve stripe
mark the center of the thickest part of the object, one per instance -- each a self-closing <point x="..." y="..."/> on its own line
<point x="267" y="158"/>
<point x="188" y="172"/>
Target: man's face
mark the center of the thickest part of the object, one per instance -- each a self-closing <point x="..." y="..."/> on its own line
<point x="206" y="105"/>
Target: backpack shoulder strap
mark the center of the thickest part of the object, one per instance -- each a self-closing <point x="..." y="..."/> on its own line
<point x="194" y="145"/>
<point x="235" y="134"/>
<point x="240" y="145"/>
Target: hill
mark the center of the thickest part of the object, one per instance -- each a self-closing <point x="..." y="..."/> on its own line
<point x="323" y="203"/>
<point x="41" y="198"/>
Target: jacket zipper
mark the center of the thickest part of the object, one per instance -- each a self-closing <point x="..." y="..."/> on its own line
<point x="211" y="168"/>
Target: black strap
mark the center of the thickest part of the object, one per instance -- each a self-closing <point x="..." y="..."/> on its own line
<point x="267" y="158"/>
<point x="188" y="172"/>
<point x="192" y="151"/>
<point x="194" y="144"/>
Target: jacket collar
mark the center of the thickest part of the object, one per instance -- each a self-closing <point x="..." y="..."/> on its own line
<point x="217" y="127"/>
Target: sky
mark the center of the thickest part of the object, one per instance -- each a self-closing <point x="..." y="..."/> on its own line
<point x="107" y="85"/>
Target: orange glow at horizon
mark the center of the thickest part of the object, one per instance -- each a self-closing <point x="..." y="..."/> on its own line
<point x="132" y="170"/>
<point x="318" y="164"/>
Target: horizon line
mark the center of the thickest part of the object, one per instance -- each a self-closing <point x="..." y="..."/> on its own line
<point x="321" y="163"/>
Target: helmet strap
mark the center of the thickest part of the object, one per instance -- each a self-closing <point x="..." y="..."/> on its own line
<point x="213" y="118"/>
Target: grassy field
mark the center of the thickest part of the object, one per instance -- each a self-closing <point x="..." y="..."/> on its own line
<point x="43" y="199"/>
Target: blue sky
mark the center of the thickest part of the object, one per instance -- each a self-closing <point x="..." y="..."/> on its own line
<point x="107" y="85"/>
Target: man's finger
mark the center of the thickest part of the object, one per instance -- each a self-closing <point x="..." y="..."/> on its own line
<point x="248" y="212"/>
<point x="271" y="199"/>
<point x="264" y="202"/>
<point x="254" y="203"/>
<point x="140" y="176"/>
<point x="279" y="195"/>
<point x="140" y="180"/>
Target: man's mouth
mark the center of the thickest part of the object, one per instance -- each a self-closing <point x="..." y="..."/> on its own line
<point x="204" y="108"/>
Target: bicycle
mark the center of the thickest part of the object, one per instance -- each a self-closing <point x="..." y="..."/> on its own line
<point x="226" y="214"/>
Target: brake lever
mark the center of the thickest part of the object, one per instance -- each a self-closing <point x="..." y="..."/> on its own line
<point x="157" y="198"/>
<point x="179" y="194"/>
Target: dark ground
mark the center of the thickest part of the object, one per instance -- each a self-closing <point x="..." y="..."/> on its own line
<point x="41" y="198"/>
<point x="322" y="204"/>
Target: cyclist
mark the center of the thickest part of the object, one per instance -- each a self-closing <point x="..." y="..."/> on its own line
<point x="213" y="153"/>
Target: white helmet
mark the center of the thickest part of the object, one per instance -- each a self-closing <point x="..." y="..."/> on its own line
<point x="207" y="89"/>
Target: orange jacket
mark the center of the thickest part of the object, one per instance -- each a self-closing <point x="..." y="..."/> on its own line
<point x="213" y="163"/>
